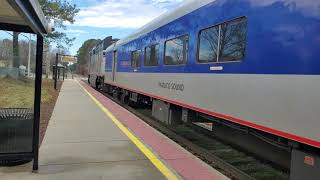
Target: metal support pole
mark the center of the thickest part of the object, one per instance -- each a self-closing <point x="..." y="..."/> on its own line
<point x="63" y="74"/>
<point x="56" y="72"/>
<point x="37" y="102"/>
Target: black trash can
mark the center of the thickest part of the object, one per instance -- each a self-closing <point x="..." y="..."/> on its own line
<point x="16" y="134"/>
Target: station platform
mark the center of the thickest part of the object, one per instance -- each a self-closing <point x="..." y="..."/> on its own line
<point x="90" y="137"/>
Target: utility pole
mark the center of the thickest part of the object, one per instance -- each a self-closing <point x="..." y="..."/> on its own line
<point x="29" y="55"/>
<point x="29" y="50"/>
<point x="56" y="72"/>
<point x="47" y="60"/>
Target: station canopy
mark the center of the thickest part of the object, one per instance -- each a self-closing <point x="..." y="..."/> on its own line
<point x="23" y="15"/>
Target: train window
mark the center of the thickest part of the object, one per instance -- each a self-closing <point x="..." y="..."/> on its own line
<point x="135" y="58"/>
<point x="229" y="38"/>
<point x="208" y="44"/>
<point x="176" y="51"/>
<point x="233" y="40"/>
<point x="151" y="55"/>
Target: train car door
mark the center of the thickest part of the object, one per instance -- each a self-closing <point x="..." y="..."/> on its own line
<point x="114" y="65"/>
<point x="103" y="63"/>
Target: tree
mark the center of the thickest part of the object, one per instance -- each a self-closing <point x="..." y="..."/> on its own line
<point x="6" y="53"/>
<point x="83" y="55"/>
<point x="15" y="50"/>
<point x="59" y="12"/>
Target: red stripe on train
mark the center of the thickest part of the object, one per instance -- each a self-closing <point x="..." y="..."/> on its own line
<point x="232" y="119"/>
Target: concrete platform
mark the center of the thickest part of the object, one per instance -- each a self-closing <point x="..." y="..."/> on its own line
<point x="83" y="141"/>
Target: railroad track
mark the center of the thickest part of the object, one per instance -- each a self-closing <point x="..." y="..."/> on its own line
<point x="228" y="160"/>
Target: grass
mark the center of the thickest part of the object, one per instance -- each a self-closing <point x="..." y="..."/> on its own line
<point x="20" y="93"/>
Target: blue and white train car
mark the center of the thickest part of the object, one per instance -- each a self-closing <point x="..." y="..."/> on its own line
<point x="251" y="62"/>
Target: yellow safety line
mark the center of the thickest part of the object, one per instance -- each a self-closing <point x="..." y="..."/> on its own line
<point x="146" y="151"/>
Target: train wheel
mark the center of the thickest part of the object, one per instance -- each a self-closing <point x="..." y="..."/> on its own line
<point x="115" y="93"/>
<point x="124" y="99"/>
<point x="98" y="83"/>
<point x="134" y="104"/>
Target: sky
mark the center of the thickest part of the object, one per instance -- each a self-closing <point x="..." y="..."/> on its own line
<point x="98" y="19"/>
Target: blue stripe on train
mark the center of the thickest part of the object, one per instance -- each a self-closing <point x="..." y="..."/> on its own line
<point x="282" y="38"/>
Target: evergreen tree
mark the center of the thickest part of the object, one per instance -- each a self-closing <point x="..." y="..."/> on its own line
<point x="83" y="55"/>
<point x="58" y="12"/>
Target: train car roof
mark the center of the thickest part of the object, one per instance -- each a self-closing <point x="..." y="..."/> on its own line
<point x="185" y="8"/>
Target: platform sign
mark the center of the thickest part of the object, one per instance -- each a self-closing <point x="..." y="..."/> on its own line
<point x="69" y="59"/>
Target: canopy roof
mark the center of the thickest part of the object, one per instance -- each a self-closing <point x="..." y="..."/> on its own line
<point x="23" y="15"/>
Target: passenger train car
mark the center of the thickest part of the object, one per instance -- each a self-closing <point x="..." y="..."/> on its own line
<point x="250" y="62"/>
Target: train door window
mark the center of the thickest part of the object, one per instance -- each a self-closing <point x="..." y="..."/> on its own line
<point x="135" y="58"/>
<point x="151" y="55"/>
<point x="225" y="42"/>
<point x="176" y="51"/>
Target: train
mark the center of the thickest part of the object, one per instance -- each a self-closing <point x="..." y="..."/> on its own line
<point x="97" y="54"/>
<point x="251" y="63"/>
